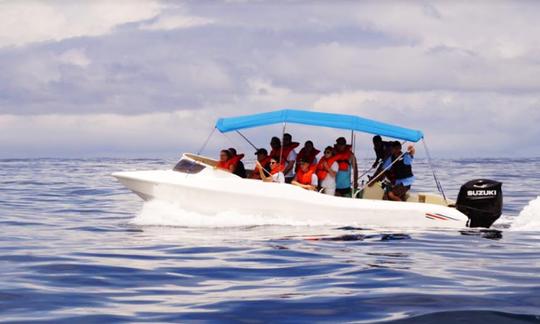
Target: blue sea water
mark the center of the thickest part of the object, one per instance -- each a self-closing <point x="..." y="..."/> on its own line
<point x="73" y="250"/>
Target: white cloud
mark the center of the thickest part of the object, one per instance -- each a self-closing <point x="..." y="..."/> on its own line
<point x="23" y="22"/>
<point x="75" y="57"/>
<point x="168" y="22"/>
<point x="454" y="70"/>
<point x="502" y="29"/>
<point x="101" y="134"/>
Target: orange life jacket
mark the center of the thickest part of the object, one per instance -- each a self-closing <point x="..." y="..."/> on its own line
<point x="255" y="174"/>
<point x="303" y="155"/>
<point x="275" y="154"/>
<point x="343" y="159"/>
<point x="321" y="171"/>
<point x="232" y="161"/>
<point x="305" y="177"/>
<point x="280" y="168"/>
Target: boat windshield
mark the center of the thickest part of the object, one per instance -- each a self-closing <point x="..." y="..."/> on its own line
<point x="188" y="166"/>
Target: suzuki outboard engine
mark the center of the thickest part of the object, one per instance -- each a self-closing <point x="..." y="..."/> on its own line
<point x="481" y="200"/>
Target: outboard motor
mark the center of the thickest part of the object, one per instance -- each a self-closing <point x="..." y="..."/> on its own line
<point x="481" y="200"/>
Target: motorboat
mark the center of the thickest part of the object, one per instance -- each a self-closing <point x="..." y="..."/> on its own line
<point x="196" y="184"/>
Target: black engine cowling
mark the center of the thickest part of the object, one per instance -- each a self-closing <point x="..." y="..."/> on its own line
<point x="481" y="200"/>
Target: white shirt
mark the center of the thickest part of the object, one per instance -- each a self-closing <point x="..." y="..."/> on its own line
<point x="330" y="181"/>
<point x="291" y="158"/>
<point x="278" y="177"/>
<point x="314" y="180"/>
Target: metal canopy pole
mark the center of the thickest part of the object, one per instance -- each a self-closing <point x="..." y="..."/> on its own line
<point x="247" y="140"/>
<point x="206" y="142"/>
<point x="437" y="182"/>
<point x="282" y="135"/>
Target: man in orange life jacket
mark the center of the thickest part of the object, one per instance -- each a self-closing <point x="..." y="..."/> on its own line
<point x="346" y="164"/>
<point x="289" y="157"/>
<point x="239" y="169"/>
<point x="309" y="153"/>
<point x="264" y="161"/>
<point x="285" y="155"/>
<point x="305" y="176"/>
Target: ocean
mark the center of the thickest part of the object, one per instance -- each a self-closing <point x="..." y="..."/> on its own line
<point x="77" y="247"/>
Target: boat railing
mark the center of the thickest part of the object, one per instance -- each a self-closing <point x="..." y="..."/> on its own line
<point x="202" y="159"/>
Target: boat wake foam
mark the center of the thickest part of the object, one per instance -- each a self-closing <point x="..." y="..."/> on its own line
<point x="162" y="213"/>
<point x="529" y="217"/>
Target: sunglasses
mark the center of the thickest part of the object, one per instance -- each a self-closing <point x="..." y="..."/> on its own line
<point x="272" y="163"/>
<point x="328" y="152"/>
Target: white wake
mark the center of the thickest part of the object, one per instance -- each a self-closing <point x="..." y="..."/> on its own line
<point x="529" y="217"/>
<point x="161" y="213"/>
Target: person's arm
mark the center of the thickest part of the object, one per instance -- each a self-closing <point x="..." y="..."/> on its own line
<point x="329" y="169"/>
<point x="291" y="159"/>
<point x="411" y="150"/>
<point x="376" y="161"/>
<point x="261" y="173"/>
<point x="296" y="183"/>
<point x="288" y="168"/>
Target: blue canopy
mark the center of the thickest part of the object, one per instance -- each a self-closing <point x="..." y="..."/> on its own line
<point x="313" y="118"/>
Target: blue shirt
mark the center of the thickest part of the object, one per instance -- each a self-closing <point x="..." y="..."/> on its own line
<point x="408" y="160"/>
<point x="343" y="179"/>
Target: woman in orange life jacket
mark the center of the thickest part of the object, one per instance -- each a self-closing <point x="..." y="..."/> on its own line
<point x="306" y="177"/>
<point x="327" y="169"/>
<point x="238" y="166"/>
<point x="264" y="161"/>
<point x="276" y="174"/>
<point x="309" y="153"/>
<point x="224" y="157"/>
<point x="228" y="161"/>
<point x="346" y="163"/>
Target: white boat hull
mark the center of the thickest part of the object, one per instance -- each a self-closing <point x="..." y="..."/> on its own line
<point x="214" y="191"/>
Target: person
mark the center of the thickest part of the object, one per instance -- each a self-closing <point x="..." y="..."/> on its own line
<point x="305" y="176"/>
<point x="288" y="157"/>
<point x="285" y="155"/>
<point x="275" y="148"/>
<point x="229" y="161"/>
<point x="346" y="164"/>
<point x="309" y="153"/>
<point x="401" y="171"/>
<point x="383" y="150"/>
<point x="264" y="161"/>
<point x="238" y="166"/>
<point x="276" y="175"/>
<point x="326" y="171"/>
<point x="224" y="160"/>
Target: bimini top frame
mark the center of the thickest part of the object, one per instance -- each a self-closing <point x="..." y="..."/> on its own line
<point x="314" y="118"/>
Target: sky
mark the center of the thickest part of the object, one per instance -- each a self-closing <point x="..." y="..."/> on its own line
<point x="149" y="78"/>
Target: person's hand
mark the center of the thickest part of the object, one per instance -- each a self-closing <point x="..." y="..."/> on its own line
<point x="325" y="165"/>
<point x="411" y="149"/>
